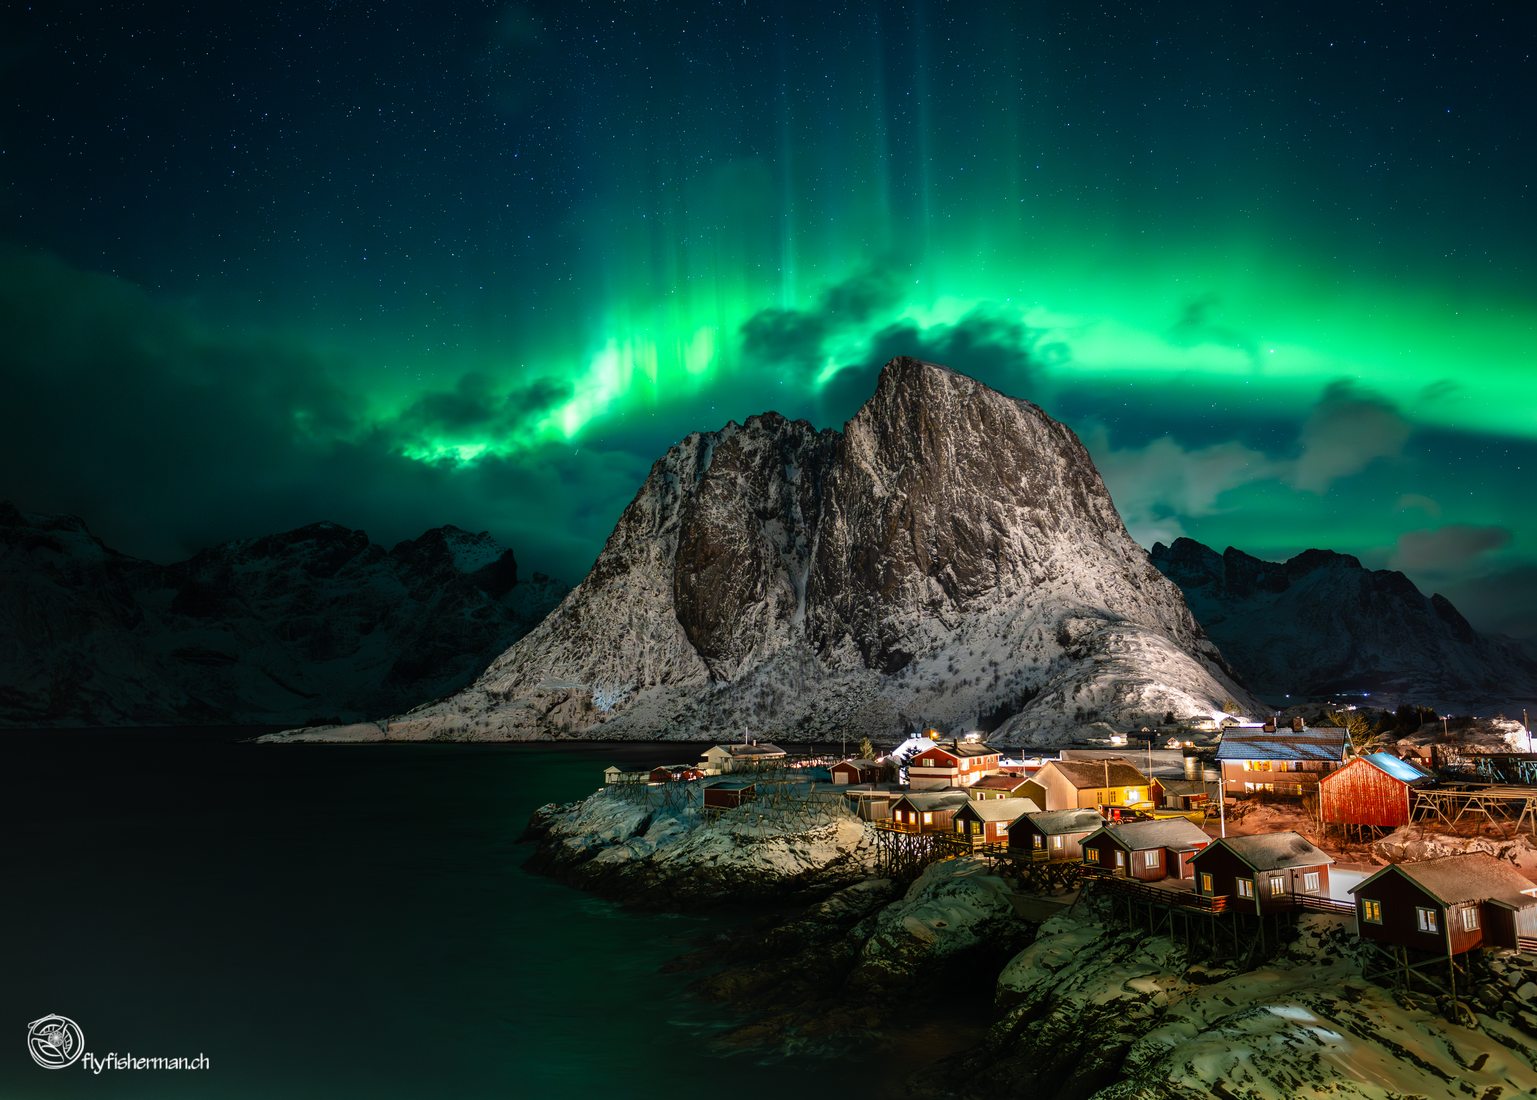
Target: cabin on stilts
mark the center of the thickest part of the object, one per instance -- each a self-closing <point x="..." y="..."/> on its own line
<point x="1369" y="794"/>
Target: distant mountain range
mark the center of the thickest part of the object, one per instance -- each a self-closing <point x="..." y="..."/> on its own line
<point x="951" y="557"/>
<point x="1321" y="624"/>
<point x="316" y="624"/>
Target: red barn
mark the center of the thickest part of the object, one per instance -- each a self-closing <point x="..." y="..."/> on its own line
<point x="728" y="794"/>
<point x="1264" y="871"/>
<point x="1447" y="906"/>
<point x="1370" y="790"/>
<point x="846" y="772"/>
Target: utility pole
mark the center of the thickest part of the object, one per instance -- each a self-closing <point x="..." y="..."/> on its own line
<point x="1221" y="802"/>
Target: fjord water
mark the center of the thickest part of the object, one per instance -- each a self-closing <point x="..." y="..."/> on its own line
<point x="333" y="921"/>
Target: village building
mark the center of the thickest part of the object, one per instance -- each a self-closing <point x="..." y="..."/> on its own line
<point x="854" y="771"/>
<point x="988" y="821"/>
<point x="1285" y="760"/>
<point x="927" y="811"/>
<point x="951" y="764"/>
<point x="728" y="794"/>
<point x="675" y="773"/>
<point x="722" y="759"/>
<point x="1375" y="790"/>
<point x="1184" y="795"/>
<point x="872" y="801"/>
<point x="1088" y="785"/>
<point x="1146" y="850"/>
<point x="1054" y="834"/>
<point x="1447" y="906"/>
<point x="1265" y="871"/>
<point x="998" y="785"/>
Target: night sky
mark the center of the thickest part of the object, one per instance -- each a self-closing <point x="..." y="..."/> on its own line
<point x="403" y="264"/>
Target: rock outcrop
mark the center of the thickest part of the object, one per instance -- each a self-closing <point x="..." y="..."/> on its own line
<point x="951" y="557"/>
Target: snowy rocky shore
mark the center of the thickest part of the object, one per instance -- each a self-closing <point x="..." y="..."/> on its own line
<point x="945" y="979"/>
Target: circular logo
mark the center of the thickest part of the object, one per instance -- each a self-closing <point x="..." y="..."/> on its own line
<point x="55" y="1041"/>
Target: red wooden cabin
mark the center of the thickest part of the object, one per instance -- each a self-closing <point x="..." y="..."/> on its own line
<point x="927" y="811"/>
<point x="1264" y="871"/>
<point x="1370" y="790"/>
<point x="1054" y="834"/>
<point x="988" y="821"/>
<point x="728" y="794"/>
<point x="1448" y="906"/>
<point x="998" y="785"/>
<point x="675" y="773"/>
<point x="1146" y="850"/>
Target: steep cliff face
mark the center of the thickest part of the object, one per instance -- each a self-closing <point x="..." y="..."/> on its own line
<point x="1321" y="623"/>
<point x="312" y="623"/>
<point x="951" y="557"/>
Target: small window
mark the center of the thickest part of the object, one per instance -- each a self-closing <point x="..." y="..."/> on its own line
<point x="928" y="763"/>
<point x="1425" y="919"/>
<point x="1246" y="887"/>
<point x="1091" y="855"/>
<point x="1056" y="841"/>
<point x="1310" y="881"/>
<point x="1469" y="918"/>
<point x="928" y="818"/>
<point x="1120" y="858"/>
<point x="1206" y="883"/>
<point x="1371" y="911"/>
<point x="960" y="826"/>
<point x="1150" y="859"/>
<point x="976" y="828"/>
<point x="1277" y="885"/>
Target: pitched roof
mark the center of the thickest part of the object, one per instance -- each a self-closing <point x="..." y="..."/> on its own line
<point x="1471" y="876"/>
<point x="936" y="800"/>
<point x="1273" y="851"/>
<point x="859" y="763"/>
<point x="729" y="785"/>
<point x="1109" y="772"/>
<point x="1283" y="744"/>
<point x="1178" y="833"/>
<point x="1052" y="822"/>
<point x="764" y="749"/>
<point x="962" y="748"/>
<point x="999" y="809"/>
<point x="1000" y="782"/>
<point x="1401" y="770"/>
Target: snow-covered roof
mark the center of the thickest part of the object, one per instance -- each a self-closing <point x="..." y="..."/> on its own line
<point x="1000" y="782"/>
<point x="1052" y="822"/>
<point x="1000" y="809"/>
<point x="1272" y="851"/>
<point x="1401" y="770"/>
<point x="1178" y="833"/>
<point x="1283" y="744"/>
<point x="765" y="749"/>
<point x="935" y="800"/>
<point x="1110" y="772"/>
<point x="962" y="748"/>
<point x="1470" y="876"/>
<point x="1186" y="786"/>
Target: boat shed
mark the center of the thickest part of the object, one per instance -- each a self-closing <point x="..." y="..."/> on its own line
<point x="1375" y="790"/>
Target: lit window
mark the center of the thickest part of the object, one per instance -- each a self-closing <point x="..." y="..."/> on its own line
<point x="1425" y="919"/>
<point x="1056" y="842"/>
<point x="1310" y="881"/>
<point x="1133" y="795"/>
<point x="1246" y="887"/>
<point x="1206" y="884"/>
<point x="928" y="763"/>
<point x="1469" y="918"/>
<point x="1277" y="885"/>
<point x="928" y="818"/>
<point x="1091" y="855"/>
<point x="1120" y="858"/>
<point x="1150" y="859"/>
<point x="1371" y="911"/>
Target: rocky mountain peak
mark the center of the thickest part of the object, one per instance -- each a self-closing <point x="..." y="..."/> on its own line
<point x="951" y="554"/>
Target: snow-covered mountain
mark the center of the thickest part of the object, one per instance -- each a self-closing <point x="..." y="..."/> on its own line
<point x="1320" y="623"/>
<point x="314" y="624"/>
<point x="951" y="557"/>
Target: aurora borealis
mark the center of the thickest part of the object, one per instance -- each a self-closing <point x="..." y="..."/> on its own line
<point x="396" y="265"/>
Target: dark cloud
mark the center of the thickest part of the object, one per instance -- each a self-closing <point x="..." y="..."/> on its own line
<point x="1500" y="602"/>
<point x="1450" y="549"/>
<point x="166" y="437"/>
<point x="798" y="338"/>
<point x="1347" y="430"/>
<point x="1200" y="322"/>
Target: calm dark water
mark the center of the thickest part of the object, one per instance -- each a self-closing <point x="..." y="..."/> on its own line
<point x="333" y="921"/>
